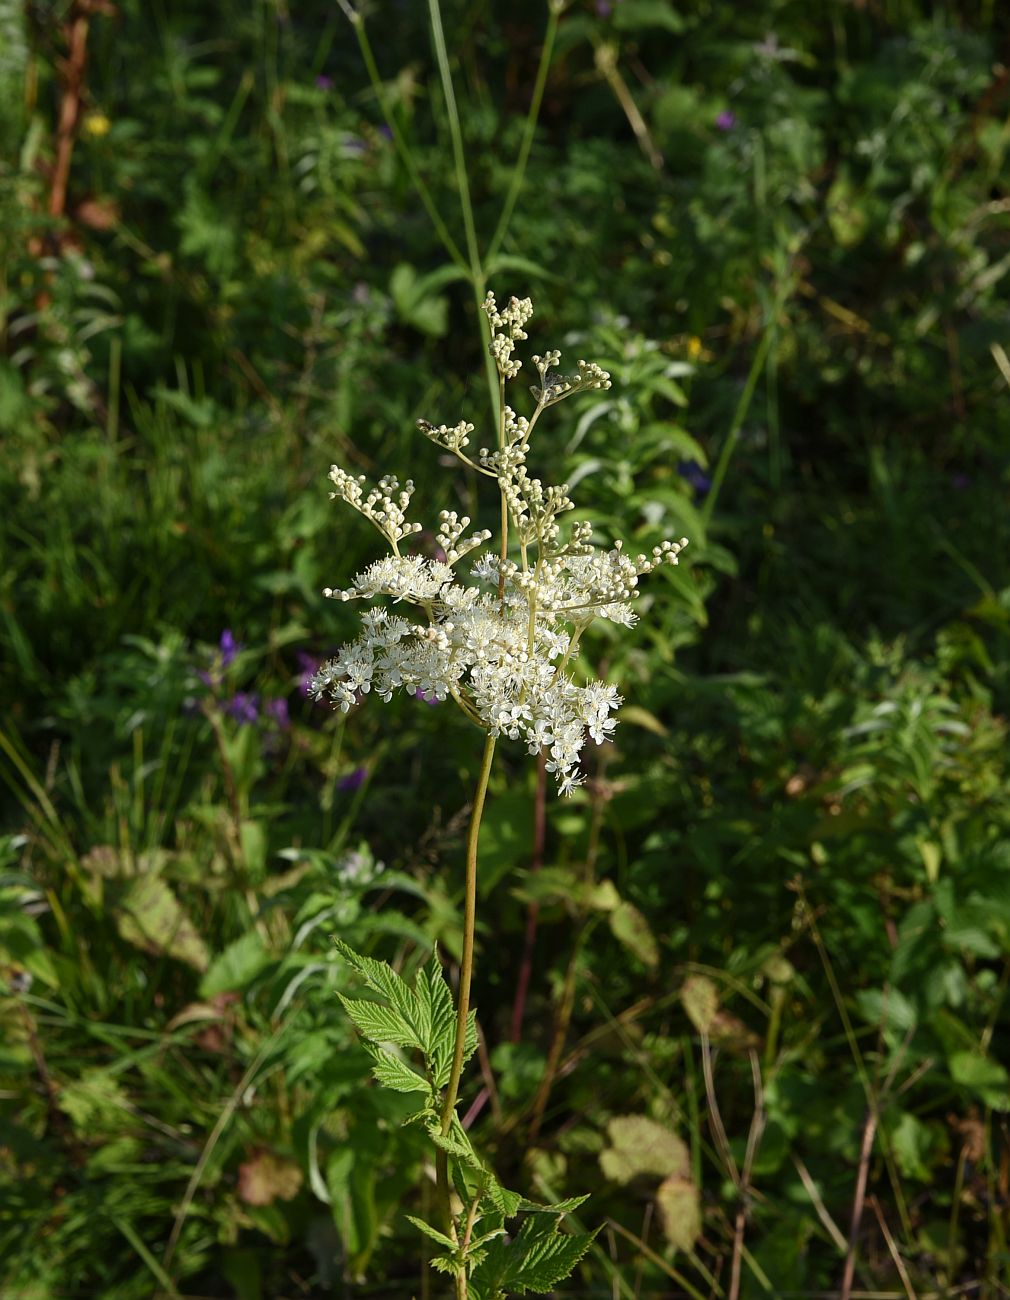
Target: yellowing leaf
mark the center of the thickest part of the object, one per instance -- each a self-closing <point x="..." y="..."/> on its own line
<point x="151" y="917"/>
<point x="679" y="1211"/>
<point x="631" y="928"/>
<point x="267" y="1178"/>
<point x="701" y="1001"/>
<point x="639" y="1145"/>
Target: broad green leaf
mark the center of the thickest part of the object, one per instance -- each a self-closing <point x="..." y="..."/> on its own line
<point x="638" y="1145"/>
<point x="524" y="265"/>
<point x="679" y="1211"/>
<point x="986" y="1078"/>
<point x="913" y="1143"/>
<point x="636" y="15"/>
<point x="436" y="1004"/>
<point x="236" y="967"/>
<point x="888" y="1008"/>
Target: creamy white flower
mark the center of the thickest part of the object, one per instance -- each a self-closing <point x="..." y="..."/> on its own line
<point x="503" y="643"/>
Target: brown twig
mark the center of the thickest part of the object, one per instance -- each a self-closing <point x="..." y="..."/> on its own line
<point x="859" y="1200"/>
<point x="757" y="1126"/>
<point x="899" y="1263"/>
<point x="72" y="70"/>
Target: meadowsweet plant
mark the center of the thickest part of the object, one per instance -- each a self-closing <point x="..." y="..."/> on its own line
<point x="497" y="631"/>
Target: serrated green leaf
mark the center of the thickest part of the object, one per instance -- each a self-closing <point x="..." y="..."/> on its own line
<point x="379" y="1023"/>
<point x="436" y="1004"/>
<point x="456" y="1146"/>
<point x="431" y="1232"/>
<point x="536" y="1260"/>
<point x="393" y="1073"/>
<point x="382" y="979"/>
<point x="559" y="1207"/>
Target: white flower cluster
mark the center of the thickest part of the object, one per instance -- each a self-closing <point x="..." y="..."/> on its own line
<point x="385" y="505"/>
<point x="503" y="645"/>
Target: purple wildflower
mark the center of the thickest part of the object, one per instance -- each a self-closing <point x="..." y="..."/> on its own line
<point x="603" y="8"/>
<point x="323" y="82"/>
<point x="428" y="699"/>
<point x="695" y="475"/>
<point x="960" y="481"/>
<point x="353" y="780"/>
<point x="244" y="708"/>
<point x="386" y="132"/>
<point x="725" y="121"/>
<point x="229" y="647"/>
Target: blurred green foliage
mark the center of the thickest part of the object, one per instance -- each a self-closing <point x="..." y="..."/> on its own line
<point x="778" y="920"/>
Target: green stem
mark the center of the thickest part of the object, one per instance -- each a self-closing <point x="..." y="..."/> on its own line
<point x="463" y="184"/>
<point x="469" y="918"/>
<point x="463" y="1002"/>
<point x="555" y="8"/>
<point x="739" y="415"/>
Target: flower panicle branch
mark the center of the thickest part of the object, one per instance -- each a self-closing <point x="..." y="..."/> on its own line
<point x="502" y="644"/>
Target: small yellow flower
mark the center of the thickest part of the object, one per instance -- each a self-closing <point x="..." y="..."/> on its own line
<point x="96" y="125"/>
<point x="695" y="347"/>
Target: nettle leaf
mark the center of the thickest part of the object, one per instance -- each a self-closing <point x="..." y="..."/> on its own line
<point x="382" y="979"/>
<point x="393" y="1073"/>
<point x="431" y="1232"/>
<point x="559" y="1207"/>
<point x="379" y="1023"/>
<point x="638" y="1145"/>
<point x="536" y="1260"/>
<point x="436" y="1004"/>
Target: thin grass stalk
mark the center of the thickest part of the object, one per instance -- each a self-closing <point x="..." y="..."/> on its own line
<point x="555" y="9"/>
<point x="402" y="147"/>
<point x="463" y="185"/>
